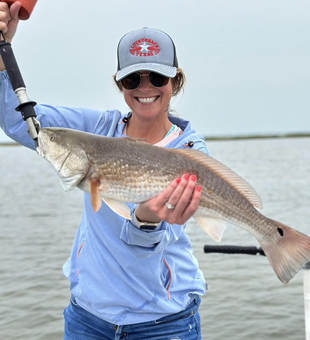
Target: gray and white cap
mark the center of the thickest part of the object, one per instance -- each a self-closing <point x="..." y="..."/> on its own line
<point x="146" y="49"/>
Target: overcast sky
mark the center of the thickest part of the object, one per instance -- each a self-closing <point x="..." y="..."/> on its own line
<point x="247" y="62"/>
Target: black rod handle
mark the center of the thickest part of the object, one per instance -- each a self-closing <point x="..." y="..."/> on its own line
<point x="233" y="250"/>
<point x="11" y="66"/>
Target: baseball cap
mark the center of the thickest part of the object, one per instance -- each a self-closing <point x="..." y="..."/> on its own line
<point x="146" y="49"/>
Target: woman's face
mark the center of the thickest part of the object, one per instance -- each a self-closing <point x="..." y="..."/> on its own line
<point x="148" y="101"/>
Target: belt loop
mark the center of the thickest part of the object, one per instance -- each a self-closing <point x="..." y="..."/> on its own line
<point x="196" y="299"/>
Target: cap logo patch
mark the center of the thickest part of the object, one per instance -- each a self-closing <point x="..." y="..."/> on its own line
<point x="144" y="48"/>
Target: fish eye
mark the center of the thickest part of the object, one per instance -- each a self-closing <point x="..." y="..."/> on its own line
<point x="52" y="138"/>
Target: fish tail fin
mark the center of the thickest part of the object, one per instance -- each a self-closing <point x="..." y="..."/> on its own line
<point x="289" y="253"/>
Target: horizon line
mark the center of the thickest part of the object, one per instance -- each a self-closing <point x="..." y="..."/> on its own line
<point x="220" y="138"/>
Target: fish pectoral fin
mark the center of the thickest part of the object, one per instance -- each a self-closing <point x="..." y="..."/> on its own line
<point x="95" y="198"/>
<point x="118" y="207"/>
<point x="213" y="226"/>
<point x="70" y="182"/>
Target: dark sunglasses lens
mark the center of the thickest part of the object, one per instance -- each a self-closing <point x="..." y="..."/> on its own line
<point x="158" y="80"/>
<point x="131" y="82"/>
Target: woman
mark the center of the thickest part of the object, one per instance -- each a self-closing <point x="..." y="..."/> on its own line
<point x="129" y="279"/>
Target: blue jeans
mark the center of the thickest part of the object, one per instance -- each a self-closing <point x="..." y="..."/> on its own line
<point x="82" y="325"/>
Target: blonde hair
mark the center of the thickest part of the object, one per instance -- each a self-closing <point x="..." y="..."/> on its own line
<point x="178" y="82"/>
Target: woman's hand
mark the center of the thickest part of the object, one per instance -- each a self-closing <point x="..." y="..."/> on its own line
<point x="182" y="194"/>
<point x="8" y="22"/>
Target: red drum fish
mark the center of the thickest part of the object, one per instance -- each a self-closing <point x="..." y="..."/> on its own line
<point x="119" y="170"/>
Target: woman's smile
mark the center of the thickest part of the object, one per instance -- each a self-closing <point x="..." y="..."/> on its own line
<point x="147" y="100"/>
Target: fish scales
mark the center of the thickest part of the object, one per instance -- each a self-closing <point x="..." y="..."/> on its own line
<point x="122" y="170"/>
<point x="144" y="167"/>
<point x="138" y="172"/>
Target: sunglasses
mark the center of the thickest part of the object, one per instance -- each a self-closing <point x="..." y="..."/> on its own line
<point x="133" y="80"/>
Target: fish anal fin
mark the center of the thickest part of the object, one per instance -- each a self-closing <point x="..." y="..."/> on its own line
<point x="95" y="198"/>
<point x="213" y="226"/>
<point x="118" y="207"/>
<point x="242" y="186"/>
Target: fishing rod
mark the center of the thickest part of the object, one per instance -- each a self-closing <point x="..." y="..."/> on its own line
<point x="254" y="251"/>
<point x="26" y="106"/>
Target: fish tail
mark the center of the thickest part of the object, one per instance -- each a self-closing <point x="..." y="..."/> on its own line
<point x="289" y="253"/>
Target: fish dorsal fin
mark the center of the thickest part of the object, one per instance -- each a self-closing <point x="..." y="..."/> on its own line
<point x="118" y="207"/>
<point x="243" y="187"/>
<point x="213" y="226"/>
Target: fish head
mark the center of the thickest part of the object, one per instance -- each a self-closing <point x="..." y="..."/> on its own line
<point x="66" y="155"/>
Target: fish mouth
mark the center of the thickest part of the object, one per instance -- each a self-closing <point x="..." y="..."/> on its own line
<point x="39" y="146"/>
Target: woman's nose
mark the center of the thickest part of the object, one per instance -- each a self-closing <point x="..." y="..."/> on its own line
<point x="145" y="84"/>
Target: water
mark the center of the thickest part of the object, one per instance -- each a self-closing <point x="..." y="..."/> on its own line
<point x="38" y="221"/>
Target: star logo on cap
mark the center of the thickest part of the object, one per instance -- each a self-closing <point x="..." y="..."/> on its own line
<point x="144" y="47"/>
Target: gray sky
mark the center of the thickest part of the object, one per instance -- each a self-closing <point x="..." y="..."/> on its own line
<point x="246" y="61"/>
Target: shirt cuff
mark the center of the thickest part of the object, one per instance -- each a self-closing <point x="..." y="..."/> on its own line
<point x="145" y="230"/>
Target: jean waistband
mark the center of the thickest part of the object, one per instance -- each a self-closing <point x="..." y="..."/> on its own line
<point x="190" y="309"/>
<point x="193" y="306"/>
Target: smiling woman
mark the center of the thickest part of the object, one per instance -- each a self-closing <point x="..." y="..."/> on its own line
<point x="148" y="76"/>
<point x="130" y="276"/>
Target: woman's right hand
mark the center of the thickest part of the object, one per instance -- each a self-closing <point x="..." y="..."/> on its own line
<point x="8" y="22"/>
<point x="182" y="195"/>
<point x="9" y="19"/>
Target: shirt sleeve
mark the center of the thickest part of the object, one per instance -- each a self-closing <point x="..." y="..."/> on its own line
<point x="147" y="243"/>
<point x="15" y="127"/>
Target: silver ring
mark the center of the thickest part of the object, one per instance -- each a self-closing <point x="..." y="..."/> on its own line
<point x="169" y="206"/>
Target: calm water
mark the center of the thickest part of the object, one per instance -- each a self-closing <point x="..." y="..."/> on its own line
<point x="38" y="221"/>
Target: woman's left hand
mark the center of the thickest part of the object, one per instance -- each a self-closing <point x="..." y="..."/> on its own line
<point x="175" y="205"/>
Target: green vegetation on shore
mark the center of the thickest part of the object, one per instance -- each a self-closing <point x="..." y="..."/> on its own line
<point x="9" y="144"/>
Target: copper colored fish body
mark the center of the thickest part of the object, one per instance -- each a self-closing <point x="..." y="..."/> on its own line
<point x="120" y="170"/>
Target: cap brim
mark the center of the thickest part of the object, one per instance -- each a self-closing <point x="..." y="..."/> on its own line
<point x="168" y="71"/>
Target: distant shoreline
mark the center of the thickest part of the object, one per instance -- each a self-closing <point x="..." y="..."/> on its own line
<point x="9" y="144"/>
<point x="266" y="136"/>
<point x="223" y="138"/>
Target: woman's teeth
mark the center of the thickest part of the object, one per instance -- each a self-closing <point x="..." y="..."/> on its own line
<point x="147" y="100"/>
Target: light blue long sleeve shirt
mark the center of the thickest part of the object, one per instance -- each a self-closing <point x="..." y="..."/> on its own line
<point x="118" y="272"/>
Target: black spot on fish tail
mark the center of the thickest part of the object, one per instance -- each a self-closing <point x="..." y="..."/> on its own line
<point x="280" y="231"/>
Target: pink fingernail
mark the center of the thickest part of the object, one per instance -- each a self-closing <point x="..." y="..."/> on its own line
<point x="186" y="176"/>
<point x="178" y="180"/>
<point x="193" y="178"/>
<point x="198" y="188"/>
